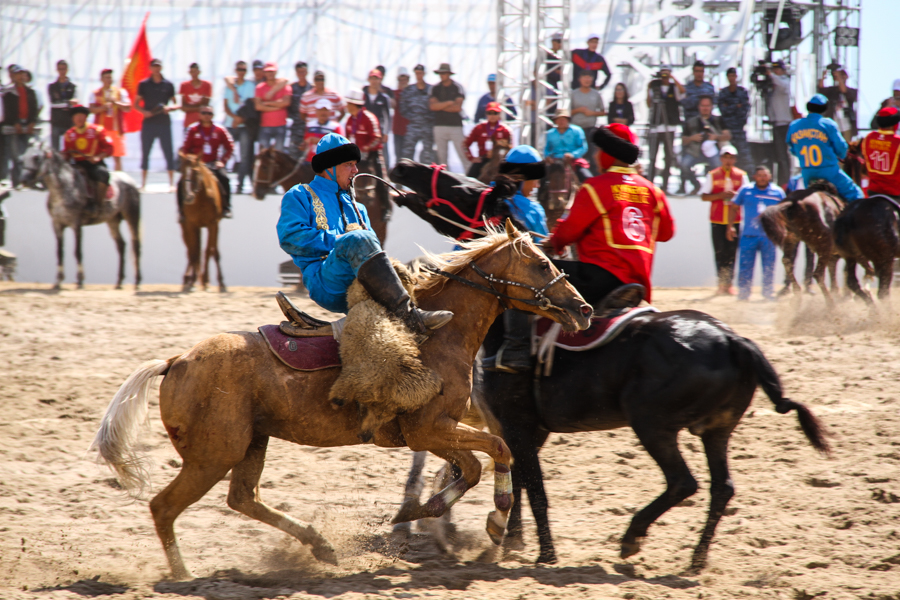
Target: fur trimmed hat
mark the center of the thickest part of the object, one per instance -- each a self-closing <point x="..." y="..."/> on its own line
<point x="888" y="117"/>
<point x="817" y="104"/>
<point x="618" y="141"/>
<point x="524" y="161"/>
<point x="332" y="150"/>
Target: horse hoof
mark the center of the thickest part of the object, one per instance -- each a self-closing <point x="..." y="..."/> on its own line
<point x="409" y="511"/>
<point x="547" y="558"/>
<point x="629" y="549"/>
<point x="513" y="543"/>
<point x="366" y="437"/>
<point x="325" y="553"/>
<point x="118" y="286"/>
<point x="222" y="289"/>
<point x="496" y="526"/>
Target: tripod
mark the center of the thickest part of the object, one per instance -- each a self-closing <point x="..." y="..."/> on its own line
<point x="660" y="117"/>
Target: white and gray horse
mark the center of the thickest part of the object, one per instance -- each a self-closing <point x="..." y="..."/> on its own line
<point x="69" y="206"/>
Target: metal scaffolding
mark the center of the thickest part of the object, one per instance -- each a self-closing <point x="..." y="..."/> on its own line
<point x="514" y="59"/>
<point x="552" y="18"/>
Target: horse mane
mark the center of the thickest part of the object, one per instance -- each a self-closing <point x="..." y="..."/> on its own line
<point x="471" y="250"/>
<point x="820" y="185"/>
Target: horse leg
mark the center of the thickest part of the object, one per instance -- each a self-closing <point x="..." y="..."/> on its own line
<point x="212" y="247"/>
<point x="789" y="254"/>
<point x="439" y="527"/>
<point x="721" y="490"/>
<point x="191" y="236"/>
<point x="120" y="246"/>
<point x="243" y="496"/>
<point x="134" y="227"/>
<point x="411" y="493"/>
<point x="527" y="473"/>
<point x="662" y="445"/>
<point x="80" y="273"/>
<point x="822" y="260"/>
<point x="885" y="271"/>
<point x="190" y="485"/>
<point x="60" y="232"/>
<point x="832" y="273"/>
<point x="853" y="282"/>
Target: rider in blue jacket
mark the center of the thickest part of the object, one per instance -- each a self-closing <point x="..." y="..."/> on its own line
<point x="330" y="238"/>
<point x="522" y="163"/>
<point x="819" y="145"/>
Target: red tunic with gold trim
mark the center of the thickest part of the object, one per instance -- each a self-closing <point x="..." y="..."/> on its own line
<point x="880" y="150"/>
<point x="720" y="180"/>
<point x="88" y="141"/>
<point x="615" y="221"/>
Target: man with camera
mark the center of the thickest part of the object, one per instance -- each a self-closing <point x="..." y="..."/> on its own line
<point x="841" y="100"/>
<point x="700" y="141"/>
<point x="778" y="95"/>
<point x="664" y="95"/>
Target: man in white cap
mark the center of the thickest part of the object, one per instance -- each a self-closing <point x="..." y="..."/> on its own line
<point x="320" y="126"/>
<point x="719" y="188"/>
<point x="587" y="60"/>
<point x="364" y="130"/>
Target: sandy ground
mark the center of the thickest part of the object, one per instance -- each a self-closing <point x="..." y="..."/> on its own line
<point x="800" y="527"/>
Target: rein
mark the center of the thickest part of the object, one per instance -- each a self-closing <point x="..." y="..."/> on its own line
<point x="540" y="300"/>
<point x="274" y="184"/>
<point x="473" y="222"/>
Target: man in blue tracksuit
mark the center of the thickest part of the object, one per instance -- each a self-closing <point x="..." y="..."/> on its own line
<point x="522" y="163"/>
<point x="755" y="199"/>
<point x="331" y="240"/>
<point x="818" y="143"/>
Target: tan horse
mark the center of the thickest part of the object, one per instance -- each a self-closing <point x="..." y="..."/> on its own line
<point x="202" y="207"/>
<point x="266" y="398"/>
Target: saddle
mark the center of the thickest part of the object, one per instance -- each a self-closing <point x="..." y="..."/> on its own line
<point x="300" y="324"/>
<point x="548" y="335"/>
<point x="303" y="343"/>
<point x="90" y="186"/>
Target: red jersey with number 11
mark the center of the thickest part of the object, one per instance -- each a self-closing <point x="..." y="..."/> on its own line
<point x="881" y="149"/>
<point x="615" y="221"/>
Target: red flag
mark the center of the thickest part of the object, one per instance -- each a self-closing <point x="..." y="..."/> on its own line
<point x="137" y="68"/>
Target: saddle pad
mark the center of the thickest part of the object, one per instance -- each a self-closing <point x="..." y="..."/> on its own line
<point x="548" y="335"/>
<point x="302" y="354"/>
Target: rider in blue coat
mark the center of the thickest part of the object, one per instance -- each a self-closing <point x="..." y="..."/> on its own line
<point x="522" y="163"/>
<point x="525" y="163"/>
<point x="329" y="237"/>
<point x="818" y="143"/>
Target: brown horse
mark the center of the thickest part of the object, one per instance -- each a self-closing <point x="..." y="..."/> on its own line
<point x="266" y="398"/>
<point x="490" y="170"/>
<point x="560" y="185"/>
<point x="273" y="169"/>
<point x="202" y="208"/>
<point x="806" y="216"/>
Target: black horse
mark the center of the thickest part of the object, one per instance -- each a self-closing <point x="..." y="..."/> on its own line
<point x="665" y="372"/>
<point x="456" y="210"/>
<point x="868" y="232"/>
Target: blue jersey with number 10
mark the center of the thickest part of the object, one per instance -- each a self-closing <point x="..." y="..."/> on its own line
<point x="816" y="141"/>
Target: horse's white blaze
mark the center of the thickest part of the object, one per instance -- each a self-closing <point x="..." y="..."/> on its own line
<point x="121" y="425"/>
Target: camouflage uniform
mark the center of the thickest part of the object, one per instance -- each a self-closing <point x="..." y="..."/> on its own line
<point x="414" y="106"/>
<point x="298" y="122"/>
<point x="735" y="107"/>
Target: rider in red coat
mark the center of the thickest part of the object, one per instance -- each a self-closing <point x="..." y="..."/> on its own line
<point x="213" y="144"/>
<point x="881" y="151"/>
<point x="615" y="221"/>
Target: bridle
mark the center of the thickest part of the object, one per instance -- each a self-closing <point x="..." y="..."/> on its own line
<point x="475" y="223"/>
<point x="540" y="300"/>
<point x="268" y="183"/>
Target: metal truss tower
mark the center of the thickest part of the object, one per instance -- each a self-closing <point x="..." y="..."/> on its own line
<point x="552" y="18"/>
<point x="514" y="59"/>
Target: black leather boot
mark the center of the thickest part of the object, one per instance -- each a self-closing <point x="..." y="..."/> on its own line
<point x="379" y="279"/>
<point x="514" y="356"/>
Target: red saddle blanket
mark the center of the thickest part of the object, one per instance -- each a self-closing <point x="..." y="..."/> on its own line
<point x="302" y="354"/>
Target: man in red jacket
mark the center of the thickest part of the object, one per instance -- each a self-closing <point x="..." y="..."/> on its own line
<point x="205" y="139"/>
<point x="615" y="221"/>
<point x="487" y="135"/>
<point x="88" y="145"/>
<point x="364" y="130"/>
<point x="881" y="151"/>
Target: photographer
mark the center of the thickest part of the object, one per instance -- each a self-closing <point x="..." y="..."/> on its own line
<point x="700" y="141"/>
<point x="780" y="115"/>
<point x="841" y="100"/>
<point x="664" y="95"/>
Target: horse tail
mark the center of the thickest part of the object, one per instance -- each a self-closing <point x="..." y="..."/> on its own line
<point x="773" y="224"/>
<point x="749" y="354"/>
<point x="121" y="425"/>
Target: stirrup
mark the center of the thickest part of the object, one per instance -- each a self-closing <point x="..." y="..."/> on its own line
<point x="297" y="317"/>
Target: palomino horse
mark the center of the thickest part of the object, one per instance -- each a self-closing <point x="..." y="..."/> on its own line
<point x="69" y="207"/>
<point x="273" y="169"/>
<point x="202" y="208"/>
<point x="806" y="216"/>
<point x="266" y="398"/>
<point x="665" y="372"/>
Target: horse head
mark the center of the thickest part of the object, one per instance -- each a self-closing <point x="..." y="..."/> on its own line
<point x="37" y="161"/>
<point x="190" y="177"/>
<point x="441" y="195"/>
<point x="264" y="172"/>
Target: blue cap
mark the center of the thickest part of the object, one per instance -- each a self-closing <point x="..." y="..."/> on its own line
<point x="331" y="141"/>
<point x="492" y="77"/>
<point x="523" y="154"/>
<point x="818" y="100"/>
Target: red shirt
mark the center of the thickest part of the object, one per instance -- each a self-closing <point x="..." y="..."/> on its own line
<point x="717" y="181"/>
<point x="615" y="221"/>
<point x="364" y="131"/>
<point x="191" y="96"/>
<point x="91" y="140"/>
<point x="880" y="150"/>
<point x="207" y="141"/>
<point x="272" y="118"/>
<point x="482" y="134"/>
<point x="23" y="103"/>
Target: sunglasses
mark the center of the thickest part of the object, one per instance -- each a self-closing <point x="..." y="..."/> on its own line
<point x="241" y="69"/>
<point x="207" y="113"/>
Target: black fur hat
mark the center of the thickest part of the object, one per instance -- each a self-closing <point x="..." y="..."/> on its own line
<point x="617" y="147"/>
<point x="527" y="171"/>
<point x="335" y="156"/>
